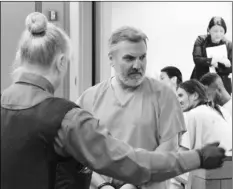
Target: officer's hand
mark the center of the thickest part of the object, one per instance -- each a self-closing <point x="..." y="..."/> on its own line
<point x="211" y="156"/>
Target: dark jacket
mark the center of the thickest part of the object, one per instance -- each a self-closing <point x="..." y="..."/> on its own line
<point x="202" y="63"/>
<point x="28" y="157"/>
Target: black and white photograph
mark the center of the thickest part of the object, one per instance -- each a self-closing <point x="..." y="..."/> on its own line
<point x="116" y="94"/>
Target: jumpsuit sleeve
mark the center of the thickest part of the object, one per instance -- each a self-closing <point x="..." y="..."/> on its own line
<point x="189" y="139"/>
<point x="82" y="137"/>
<point x="85" y="101"/>
<point x="171" y="120"/>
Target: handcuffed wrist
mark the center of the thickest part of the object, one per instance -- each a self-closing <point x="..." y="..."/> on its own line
<point x="105" y="184"/>
<point x="137" y="186"/>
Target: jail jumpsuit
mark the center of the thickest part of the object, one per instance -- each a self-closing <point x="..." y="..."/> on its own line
<point x="152" y="116"/>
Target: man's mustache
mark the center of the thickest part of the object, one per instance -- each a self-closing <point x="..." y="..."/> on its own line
<point x="135" y="72"/>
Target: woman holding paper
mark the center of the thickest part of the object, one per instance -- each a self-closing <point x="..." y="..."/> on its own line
<point x="213" y="53"/>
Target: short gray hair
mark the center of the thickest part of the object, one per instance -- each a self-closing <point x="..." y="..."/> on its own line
<point x="126" y="33"/>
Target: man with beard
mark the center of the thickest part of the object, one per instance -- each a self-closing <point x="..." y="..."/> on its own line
<point x="146" y="106"/>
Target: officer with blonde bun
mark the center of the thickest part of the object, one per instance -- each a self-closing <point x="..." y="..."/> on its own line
<point x="39" y="131"/>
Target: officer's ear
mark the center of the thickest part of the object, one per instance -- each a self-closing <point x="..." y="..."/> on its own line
<point x="61" y="63"/>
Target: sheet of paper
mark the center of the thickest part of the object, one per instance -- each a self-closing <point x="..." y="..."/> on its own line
<point x="217" y="51"/>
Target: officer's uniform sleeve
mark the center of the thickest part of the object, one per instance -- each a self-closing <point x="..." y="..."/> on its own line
<point x="82" y="137"/>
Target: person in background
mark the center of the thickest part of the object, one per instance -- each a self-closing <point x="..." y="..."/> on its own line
<point x="216" y="91"/>
<point x="136" y="109"/>
<point x="205" y="122"/>
<point x="171" y="76"/>
<point x="215" y="37"/>
<point x="38" y="130"/>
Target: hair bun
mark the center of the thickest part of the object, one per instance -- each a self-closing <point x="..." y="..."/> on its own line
<point x="36" y="23"/>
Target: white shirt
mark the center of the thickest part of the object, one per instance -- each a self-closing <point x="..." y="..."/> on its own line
<point x="228" y="106"/>
<point x="227" y="115"/>
<point x="205" y="125"/>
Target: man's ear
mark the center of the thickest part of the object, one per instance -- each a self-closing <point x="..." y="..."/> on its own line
<point x="219" y="92"/>
<point x="174" y="79"/>
<point x="111" y="60"/>
<point x="195" y="96"/>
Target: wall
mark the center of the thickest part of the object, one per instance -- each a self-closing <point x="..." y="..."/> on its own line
<point x="103" y="32"/>
<point x="75" y="35"/>
<point x="81" y="39"/>
<point x="171" y="27"/>
<point x="62" y="9"/>
<point x="13" y="16"/>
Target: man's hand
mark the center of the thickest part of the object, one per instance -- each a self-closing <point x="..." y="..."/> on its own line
<point x="107" y="187"/>
<point x="118" y="183"/>
<point x="211" y="156"/>
<point x="128" y="186"/>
